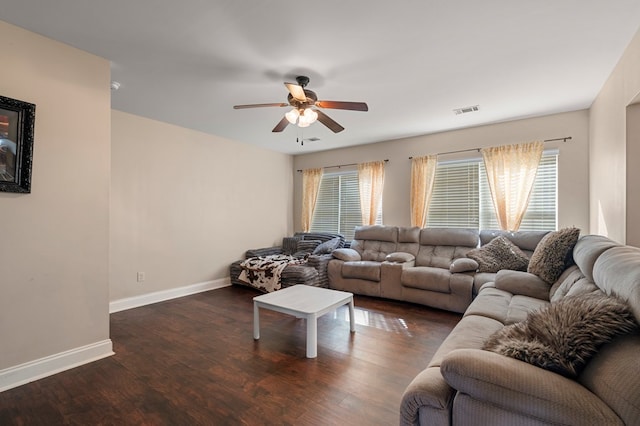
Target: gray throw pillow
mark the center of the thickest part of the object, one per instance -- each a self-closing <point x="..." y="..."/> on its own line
<point x="499" y="253"/>
<point x="553" y="254"/>
<point x="565" y="335"/>
<point x="328" y="246"/>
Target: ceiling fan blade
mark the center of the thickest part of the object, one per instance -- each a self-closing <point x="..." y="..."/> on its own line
<point x="296" y="91"/>
<point x="281" y="125"/>
<point x="259" y="105"/>
<point x="352" y="106"/>
<point x="329" y="122"/>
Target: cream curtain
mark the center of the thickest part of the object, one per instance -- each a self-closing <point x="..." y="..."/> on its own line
<point x="310" y="185"/>
<point x="511" y="171"/>
<point x="423" y="172"/>
<point x="370" y="184"/>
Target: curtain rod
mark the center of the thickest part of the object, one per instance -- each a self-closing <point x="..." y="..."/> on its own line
<point x="342" y="165"/>
<point x="566" y="138"/>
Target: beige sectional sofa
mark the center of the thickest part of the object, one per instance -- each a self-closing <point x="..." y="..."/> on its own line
<point x="425" y="266"/>
<point x="466" y="385"/>
<point x="407" y="263"/>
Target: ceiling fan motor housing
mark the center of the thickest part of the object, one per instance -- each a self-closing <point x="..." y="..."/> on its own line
<point x="311" y="100"/>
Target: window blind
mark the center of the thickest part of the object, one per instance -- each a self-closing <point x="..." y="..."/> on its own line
<point x="462" y="199"/>
<point x="338" y="204"/>
<point x="454" y="201"/>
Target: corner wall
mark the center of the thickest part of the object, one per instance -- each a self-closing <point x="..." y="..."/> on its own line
<point x="573" y="169"/>
<point x="608" y="157"/>
<point x="55" y="241"/>
<point x="185" y="205"/>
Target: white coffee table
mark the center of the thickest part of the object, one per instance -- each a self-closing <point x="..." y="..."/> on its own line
<point x="303" y="301"/>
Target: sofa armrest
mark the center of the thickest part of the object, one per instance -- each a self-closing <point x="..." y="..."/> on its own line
<point x="346" y="254"/>
<point x="517" y="386"/>
<point x="267" y="251"/>
<point x="522" y="283"/>
<point x="428" y="393"/>
<point x="400" y="257"/>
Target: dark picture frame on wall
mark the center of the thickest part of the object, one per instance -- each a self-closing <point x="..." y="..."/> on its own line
<point x="17" y="119"/>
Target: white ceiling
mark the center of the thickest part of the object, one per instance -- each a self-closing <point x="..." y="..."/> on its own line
<point x="413" y="61"/>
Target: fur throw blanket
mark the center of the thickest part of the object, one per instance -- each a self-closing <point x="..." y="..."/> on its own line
<point x="264" y="272"/>
<point x="565" y="335"/>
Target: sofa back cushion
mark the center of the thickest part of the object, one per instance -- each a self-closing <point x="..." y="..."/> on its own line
<point x="375" y="242"/>
<point x="611" y="376"/>
<point x="588" y="249"/>
<point x="408" y="240"/>
<point x="617" y="271"/>
<point x="527" y="241"/>
<point x="440" y="246"/>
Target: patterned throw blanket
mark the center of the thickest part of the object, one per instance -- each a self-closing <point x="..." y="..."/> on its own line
<point x="264" y="272"/>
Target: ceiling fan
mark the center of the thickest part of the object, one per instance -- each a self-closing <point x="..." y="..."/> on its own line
<point x="305" y="103"/>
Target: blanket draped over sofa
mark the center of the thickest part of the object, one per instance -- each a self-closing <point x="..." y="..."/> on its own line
<point x="264" y="272"/>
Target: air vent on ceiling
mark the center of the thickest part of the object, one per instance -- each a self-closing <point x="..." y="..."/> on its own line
<point x="466" y="110"/>
<point x="312" y="139"/>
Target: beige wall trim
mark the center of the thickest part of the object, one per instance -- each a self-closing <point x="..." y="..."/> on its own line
<point x="161" y="296"/>
<point x="28" y="372"/>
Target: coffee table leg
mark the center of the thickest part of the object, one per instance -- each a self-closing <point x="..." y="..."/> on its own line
<point x="256" y="321"/>
<point x="352" y="316"/>
<point x="312" y="336"/>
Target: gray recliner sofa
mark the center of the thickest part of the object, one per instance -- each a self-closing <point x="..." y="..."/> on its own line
<point x="407" y="263"/>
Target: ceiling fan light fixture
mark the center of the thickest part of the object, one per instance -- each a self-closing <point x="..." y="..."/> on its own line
<point x="292" y="116"/>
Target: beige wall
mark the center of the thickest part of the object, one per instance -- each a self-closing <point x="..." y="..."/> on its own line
<point x="608" y="181"/>
<point x="185" y="204"/>
<point x="55" y="241"/>
<point x="633" y="175"/>
<point x="572" y="168"/>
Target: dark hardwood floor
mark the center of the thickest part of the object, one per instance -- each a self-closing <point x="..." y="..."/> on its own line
<point x="193" y="361"/>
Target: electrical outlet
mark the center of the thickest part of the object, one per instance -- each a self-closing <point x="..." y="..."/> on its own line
<point x="140" y="277"/>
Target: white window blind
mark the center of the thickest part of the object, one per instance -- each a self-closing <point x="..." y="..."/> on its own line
<point x="454" y="201"/>
<point x="338" y="205"/>
<point x="461" y="196"/>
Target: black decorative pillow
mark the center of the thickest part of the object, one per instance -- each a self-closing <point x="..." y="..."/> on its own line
<point x="564" y="336"/>
<point x="499" y="253"/>
<point x="553" y="254"/>
<point x="328" y="246"/>
<point x="306" y="247"/>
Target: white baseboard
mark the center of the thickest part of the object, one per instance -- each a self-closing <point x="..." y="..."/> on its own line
<point x="34" y="370"/>
<point x="161" y="296"/>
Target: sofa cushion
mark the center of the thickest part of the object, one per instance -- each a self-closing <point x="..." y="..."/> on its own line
<point x="608" y="376"/>
<point x="522" y="283"/>
<point x="503" y="306"/>
<point x="553" y="254"/>
<point x="328" y="246"/>
<point x="571" y="282"/>
<point x="427" y="278"/>
<point x="463" y="264"/>
<point x="400" y="257"/>
<point x="499" y="254"/>
<point x="346" y="254"/>
<point x="617" y="271"/>
<point x="364" y="270"/>
<point x="525" y="240"/>
<point x="565" y="335"/>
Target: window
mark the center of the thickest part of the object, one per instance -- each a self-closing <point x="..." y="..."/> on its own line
<point x="338" y="205"/>
<point x="461" y="196"/>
